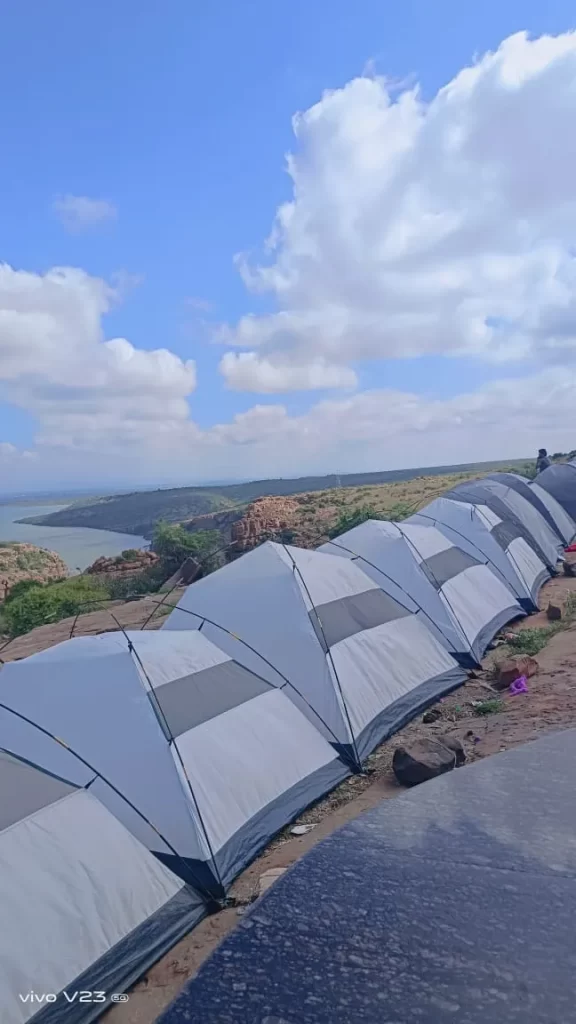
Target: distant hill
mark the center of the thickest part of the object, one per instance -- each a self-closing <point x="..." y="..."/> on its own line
<point x="138" y="512"/>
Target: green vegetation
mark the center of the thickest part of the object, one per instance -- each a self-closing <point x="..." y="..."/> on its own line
<point x="489" y="707"/>
<point x="31" y="603"/>
<point x="531" y="641"/>
<point x="131" y="555"/>
<point x="348" y="520"/>
<point x="174" y="545"/>
<point x="31" y="561"/>
<point x="27" y="607"/>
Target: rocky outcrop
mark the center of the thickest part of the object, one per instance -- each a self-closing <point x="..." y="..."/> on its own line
<point x="242" y="529"/>
<point x="26" y="562"/>
<point x="266" y="519"/>
<point x="124" y="567"/>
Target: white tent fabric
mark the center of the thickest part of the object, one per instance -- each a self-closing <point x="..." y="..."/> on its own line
<point x="509" y="555"/>
<point x="84" y="906"/>
<point x="351" y="657"/>
<point x="214" y="757"/>
<point x="383" y="553"/>
<point x="478" y="601"/>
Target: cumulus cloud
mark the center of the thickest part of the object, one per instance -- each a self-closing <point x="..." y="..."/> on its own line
<point x="244" y="371"/>
<point x="79" y="213"/>
<point x="373" y="429"/>
<point x="421" y="227"/>
<point x="84" y="389"/>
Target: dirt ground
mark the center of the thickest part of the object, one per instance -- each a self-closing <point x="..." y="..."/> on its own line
<point x="549" y="705"/>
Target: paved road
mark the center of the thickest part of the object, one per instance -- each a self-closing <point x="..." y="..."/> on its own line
<point x="456" y="901"/>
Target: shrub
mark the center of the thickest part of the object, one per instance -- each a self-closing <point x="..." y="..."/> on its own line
<point x="21" y="588"/>
<point x="50" y="602"/>
<point x="146" y="582"/>
<point x="131" y="555"/>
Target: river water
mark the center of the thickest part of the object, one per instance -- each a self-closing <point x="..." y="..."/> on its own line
<point x="77" y="545"/>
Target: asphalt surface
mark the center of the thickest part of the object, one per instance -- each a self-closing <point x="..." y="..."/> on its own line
<point x="455" y="901"/>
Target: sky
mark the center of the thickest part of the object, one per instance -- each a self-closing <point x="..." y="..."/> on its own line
<point x="253" y="240"/>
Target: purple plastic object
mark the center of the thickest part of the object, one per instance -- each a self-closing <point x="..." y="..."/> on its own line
<point x="519" y="686"/>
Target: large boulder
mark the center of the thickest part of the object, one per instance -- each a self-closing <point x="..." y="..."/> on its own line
<point x="422" y="760"/>
<point x="512" y="668"/>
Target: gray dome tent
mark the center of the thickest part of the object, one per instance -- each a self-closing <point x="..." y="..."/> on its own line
<point x="355" y="659"/>
<point x="382" y="551"/>
<point x="202" y="759"/>
<point x="563" y="526"/>
<point x="478" y="602"/>
<point x="509" y="556"/>
<point x="559" y="480"/>
<point x="516" y="511"/>
<point x="85" y="907"/>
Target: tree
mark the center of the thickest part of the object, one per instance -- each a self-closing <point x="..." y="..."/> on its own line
<point x="174" y="545"/>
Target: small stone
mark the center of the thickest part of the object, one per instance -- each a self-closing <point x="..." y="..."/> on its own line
<point x="431" y="716"/>
<point x="268" y="878"/>
<point x="421" y="761"/>
<point x="555" y="610"/>
<point x="512" y="668"/>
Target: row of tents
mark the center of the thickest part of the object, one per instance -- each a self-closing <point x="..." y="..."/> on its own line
<point x="141" y="772"/>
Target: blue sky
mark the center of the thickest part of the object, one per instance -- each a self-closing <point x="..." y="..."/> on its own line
<point x="181" y="118"/>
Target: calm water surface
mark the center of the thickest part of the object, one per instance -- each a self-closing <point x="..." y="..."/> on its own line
<point x="77" y="545"/>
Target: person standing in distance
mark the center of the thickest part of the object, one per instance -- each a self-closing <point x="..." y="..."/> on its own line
<point x="542" y="462"/>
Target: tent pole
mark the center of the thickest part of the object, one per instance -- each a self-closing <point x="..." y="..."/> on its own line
<point x="358" y="762"/>
<point x="153" y="697"/>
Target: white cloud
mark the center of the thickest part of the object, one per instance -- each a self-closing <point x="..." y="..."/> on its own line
<point x="79" y="213"/>
<point x="419" y="227"/>
<point x="244" y="371"/>
<point x="392" y="429"/>
<point x="85" y="390"/>
<point x="9" y="453"/>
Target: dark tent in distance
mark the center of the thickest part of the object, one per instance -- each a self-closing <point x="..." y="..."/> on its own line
<point x="562" y="524"/>
<point x="559" y="480"/>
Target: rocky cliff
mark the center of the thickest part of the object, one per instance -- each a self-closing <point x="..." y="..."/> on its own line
<point x="26" y="562"/>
